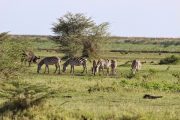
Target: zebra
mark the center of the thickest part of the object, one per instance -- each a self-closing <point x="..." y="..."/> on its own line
<point x="113" y="66"/>
<point x="49" y="61"/>
<point x="103" y="64"/>
<point x="75" y="61"/>
<point x="30" y="57"/>
<point x="135" y="66"/>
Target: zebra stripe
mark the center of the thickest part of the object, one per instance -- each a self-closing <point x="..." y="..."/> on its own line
<point x="136" y="65"/>
<point x="102" y="64"/>
<point x="75" y="61"/>
<point x="49" y="61"/>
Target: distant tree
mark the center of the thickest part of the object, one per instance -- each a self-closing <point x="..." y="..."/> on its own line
<point x="79" y="35"/>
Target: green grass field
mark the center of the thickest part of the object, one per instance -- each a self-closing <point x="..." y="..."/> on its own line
<point x="100" y="97"/>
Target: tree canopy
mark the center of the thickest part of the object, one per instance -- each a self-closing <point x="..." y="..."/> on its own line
<point x="80" y="35"/>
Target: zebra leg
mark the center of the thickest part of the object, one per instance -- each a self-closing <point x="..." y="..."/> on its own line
<point x="45" y="69"/>
<point x="56" y="68"/>
<point x="30" y="63"/>
<point x="93" y="71"/>
<point x="71" y="69"/>
<point x="86" y="69"/>
<point x="83" y="69"/>
<point x="59" y="69"/>
<point x="48" y="68"/>
<point x="107" y="71"/>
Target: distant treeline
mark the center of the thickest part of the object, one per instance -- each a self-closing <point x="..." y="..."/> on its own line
<point x="117" y="39"/>
<point x="146" y="40"/>
<point x="141" y="51"/>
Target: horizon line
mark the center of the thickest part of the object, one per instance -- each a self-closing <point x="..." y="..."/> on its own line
<point x="46" y="35"/>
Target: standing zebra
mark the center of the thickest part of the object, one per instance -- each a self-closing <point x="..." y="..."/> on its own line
<point x="103" y="64"/>
<point x="136" y="65"/>
<point x="75" y="61"/>
<point x="29" y="57"/>
<point x="49" y="61"/>
<point x="113" y="67"/>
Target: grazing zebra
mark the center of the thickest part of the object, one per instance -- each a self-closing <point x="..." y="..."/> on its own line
<point x="29" y="57"/>
<point x="103" y="64"/>
<point x="136" y="65"/>
<point x="113" y="67"/>
<point x="49" y="61"/>
<point x="75" y="61"/>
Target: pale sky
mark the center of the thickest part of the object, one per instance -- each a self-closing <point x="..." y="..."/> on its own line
<point x="142" y="18"/>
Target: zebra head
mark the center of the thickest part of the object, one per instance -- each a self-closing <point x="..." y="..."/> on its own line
<point x="35" y="59"/>
<point x="66" y="64"/>
<point x="64" y="68"/>
<point x="38" y="68"/>
<point x="39" y="65"/>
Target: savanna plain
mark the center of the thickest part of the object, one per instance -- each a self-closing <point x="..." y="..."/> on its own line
<point x="51" y="96"/>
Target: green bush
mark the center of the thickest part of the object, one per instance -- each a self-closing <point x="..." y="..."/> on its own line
<point x="10" y="55"/>
<point x="21" y="97"/>
<point x="169" y="60"/>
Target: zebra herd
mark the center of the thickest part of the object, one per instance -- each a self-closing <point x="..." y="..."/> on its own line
<point x="102" y="64"/>
<point x="98" y="66"/>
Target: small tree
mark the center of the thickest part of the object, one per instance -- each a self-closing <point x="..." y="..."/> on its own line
<point x="79" y="35"/>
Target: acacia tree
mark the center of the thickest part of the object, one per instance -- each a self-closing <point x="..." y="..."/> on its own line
<point x="79" y="35"/>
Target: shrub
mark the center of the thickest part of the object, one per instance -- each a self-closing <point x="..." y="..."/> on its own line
<point x="102" y="88"/>
<point x="10" y="54"/>
<point x="169" y="60"/>
<point x="22" y="96"/>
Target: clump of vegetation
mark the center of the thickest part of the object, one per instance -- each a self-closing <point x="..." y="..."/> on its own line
<point x="169" y="60"/>
<point x="150" y="75"/>
<point x="21" y="97"/>
<point x="10" y="51"/>
<point x="176" y="74"/>
<point x="98" y="88"/>
<point x="131" y="75"/>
